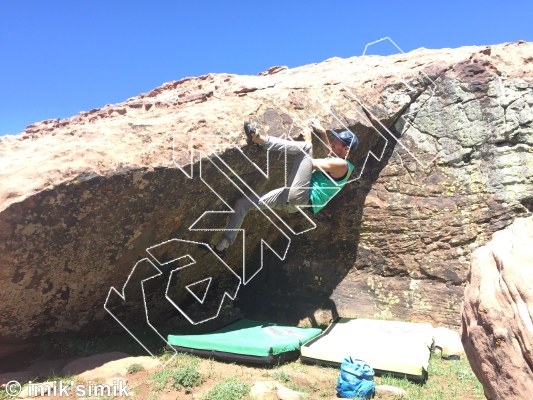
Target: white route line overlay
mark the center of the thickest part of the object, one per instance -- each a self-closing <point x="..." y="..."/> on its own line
<point x="191" y="228"/>
<point x="188" y="287"/>
<point x="193" y="261"/>
<point x="266" y="174"/>
<point x="430" y="87"/>
<point x="123" y="297"/>
<point x="370" y="152"/>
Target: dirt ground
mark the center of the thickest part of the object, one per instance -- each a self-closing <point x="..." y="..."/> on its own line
<point x="447" y="380"/>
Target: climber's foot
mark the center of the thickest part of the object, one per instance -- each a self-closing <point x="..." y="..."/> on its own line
<point x="220" y="253"/>
<point x="251" y="134"/>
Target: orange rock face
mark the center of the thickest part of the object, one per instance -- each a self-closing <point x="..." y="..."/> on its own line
<point x="444" y="161"/>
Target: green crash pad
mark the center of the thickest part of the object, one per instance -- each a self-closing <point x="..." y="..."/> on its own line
<point x="252" y="340"/>
<point x="393" y="347"/>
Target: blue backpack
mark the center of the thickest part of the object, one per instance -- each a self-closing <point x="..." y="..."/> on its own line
<point x="356" y="379"/>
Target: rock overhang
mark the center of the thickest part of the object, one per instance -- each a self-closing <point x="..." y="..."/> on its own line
<point x="101" y="187"/>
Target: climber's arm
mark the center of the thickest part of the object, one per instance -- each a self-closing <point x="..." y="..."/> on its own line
<point x="336" y="167"/>
<point x="322" y="135"/>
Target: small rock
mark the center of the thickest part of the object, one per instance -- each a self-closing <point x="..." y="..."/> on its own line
<point x="263" y="390"/>
<point x="273" y="70"/>
<point x="107" y="365"/>
<point x="20" y="376"/>
<point x="46" y="368"/>
<point x="449" y="343"/>
<point x="271" y="390"/>
<point x="89" y="363"/>
<point x="390" y="390"/>
<point x="116" y="381"/>
<point x="119" y="368"/>
<point x="285" y="393"/>
<point x="39" y="391"/>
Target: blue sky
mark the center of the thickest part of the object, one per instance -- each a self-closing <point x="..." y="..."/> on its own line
<point x="61" y="57"/>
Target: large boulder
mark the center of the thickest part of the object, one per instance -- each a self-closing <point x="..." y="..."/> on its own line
<point x="497" y="313"/>
<point x="445" y="160"/>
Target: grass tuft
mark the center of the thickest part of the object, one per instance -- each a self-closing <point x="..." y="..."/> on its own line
<point x="448" y="379"/>
<point x="134" y="368"/>
<point x="187" y="377"/>
<point x="160" y="378"/>
<point x="298" y="388"/>
<point x="281" y="376"/>
<point x="229" y="389"/>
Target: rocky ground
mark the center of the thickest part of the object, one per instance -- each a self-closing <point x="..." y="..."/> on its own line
<point x="146" y="379"/>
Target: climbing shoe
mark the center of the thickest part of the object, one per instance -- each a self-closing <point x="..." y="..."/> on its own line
<point x="220" y="253"/>
<point x="250" y="130"/>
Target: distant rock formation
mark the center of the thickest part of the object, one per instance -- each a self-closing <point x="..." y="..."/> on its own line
<point x="497" y="313"/>
<point x="445" y="156"/>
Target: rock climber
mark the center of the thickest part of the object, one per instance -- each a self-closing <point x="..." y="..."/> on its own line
<point x="312" y="183"/>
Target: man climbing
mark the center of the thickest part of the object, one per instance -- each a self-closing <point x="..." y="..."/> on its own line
<point x="312" y="182"/>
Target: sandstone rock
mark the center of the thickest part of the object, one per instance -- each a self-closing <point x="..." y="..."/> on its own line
<point x="115" y="381"/>
<point x="114" y="385"/>
<point x="448" y="342"/>
<point x="497" y="331"/>
<point x="14" y="348"/>
<point x="445" y="159"/>
<point x="272" y="390"/>
<point x="107" y="365"/>
<point x="20" y="376"/>
<point x="118" y="368"/>
<point x="46" y="368"/>
<point x="39" y="390"/>
<point x="289" y="394"/>
<point x="273" y="70"/>
<point x="388" y="390"/>
<point x="92" y="362"/>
